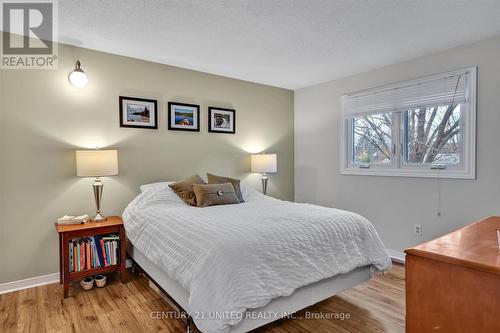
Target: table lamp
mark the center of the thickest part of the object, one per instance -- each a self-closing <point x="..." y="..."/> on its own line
<point x="97" y="163"/>
<point x="263" y="164"/>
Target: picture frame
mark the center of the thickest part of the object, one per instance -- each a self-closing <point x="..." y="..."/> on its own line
<point x="221" y="120"/>
<point x="183" y="117"/>
<point x="138" y="112"/>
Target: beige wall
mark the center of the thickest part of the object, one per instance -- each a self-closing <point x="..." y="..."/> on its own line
<point x="395" y="204"/>
<point x="43" y="120"/>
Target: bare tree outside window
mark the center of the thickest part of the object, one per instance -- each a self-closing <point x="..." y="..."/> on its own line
<point x="372" y="139"/>
<point x="432" y="135"/>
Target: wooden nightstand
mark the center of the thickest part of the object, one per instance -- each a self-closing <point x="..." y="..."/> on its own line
<point x="113" y="225"/>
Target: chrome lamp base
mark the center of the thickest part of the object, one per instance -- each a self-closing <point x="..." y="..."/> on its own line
<point x="264" y="178"/>
<point x="98" y="199"/>
<point x="99" y="218"/>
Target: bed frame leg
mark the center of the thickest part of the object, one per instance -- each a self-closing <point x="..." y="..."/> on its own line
<point x="189" y="328"/>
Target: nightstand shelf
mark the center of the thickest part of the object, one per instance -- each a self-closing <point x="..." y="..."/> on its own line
<point x="93" y="271"/>
<point x="113" y="225"/>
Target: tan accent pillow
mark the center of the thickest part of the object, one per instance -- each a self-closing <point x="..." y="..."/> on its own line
<point x="184" y="189"/>
<point x="213" y="179"/>
<point x="215" y="194"/>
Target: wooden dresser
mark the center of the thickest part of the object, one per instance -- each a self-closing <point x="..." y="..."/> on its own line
<point x="453" y="282"/>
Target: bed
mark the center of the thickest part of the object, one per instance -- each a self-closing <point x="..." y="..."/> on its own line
<point x="234" y="268"/>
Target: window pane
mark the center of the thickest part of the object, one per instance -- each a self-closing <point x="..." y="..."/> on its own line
<point x="372" y="140"/>
<point x="432" y="135"/>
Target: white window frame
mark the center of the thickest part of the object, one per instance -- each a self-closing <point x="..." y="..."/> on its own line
<point x="466" y="169"/>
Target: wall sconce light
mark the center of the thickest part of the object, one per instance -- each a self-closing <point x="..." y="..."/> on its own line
<point x="77" y="77"/>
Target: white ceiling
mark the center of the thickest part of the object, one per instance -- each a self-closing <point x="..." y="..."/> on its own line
<point x="284" y="43"/>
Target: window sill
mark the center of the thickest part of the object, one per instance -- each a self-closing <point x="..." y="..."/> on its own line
<point x="421" y="173"/>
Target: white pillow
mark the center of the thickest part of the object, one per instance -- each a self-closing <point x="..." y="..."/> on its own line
<point x="147" y="187"/>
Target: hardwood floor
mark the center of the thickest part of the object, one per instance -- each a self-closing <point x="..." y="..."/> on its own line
<point x="375" y="306"/>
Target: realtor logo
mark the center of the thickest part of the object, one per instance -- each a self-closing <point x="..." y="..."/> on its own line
<point x="29" y="35"/>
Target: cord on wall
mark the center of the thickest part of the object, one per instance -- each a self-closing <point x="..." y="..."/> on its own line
<point x="442" y="167"/>
<point x="438" y="181"/>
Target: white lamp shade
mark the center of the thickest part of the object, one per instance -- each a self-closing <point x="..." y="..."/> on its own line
<point x="264" y="163"/>
<point x="96" y="163"/>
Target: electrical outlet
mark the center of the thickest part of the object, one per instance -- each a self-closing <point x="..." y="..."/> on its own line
<point x="418" y="229"/>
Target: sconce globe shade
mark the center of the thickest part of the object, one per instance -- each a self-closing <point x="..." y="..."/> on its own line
<point x="78" y="79"/>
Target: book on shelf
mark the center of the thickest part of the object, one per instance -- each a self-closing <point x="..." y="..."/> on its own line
<point x="82" y="256"/>
<point x="87" y="255"/>
<point x="93" y="252"/>
<point x="78" y="261"/>
<point x="71" y="260"/>
<point x="97" y="244"/>
<point x="103" y="249"/>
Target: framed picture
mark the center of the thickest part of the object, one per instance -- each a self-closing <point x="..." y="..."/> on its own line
<point x="221" y="120"/>
<point x="183" y="117"/>
<point x="138" y="112"/>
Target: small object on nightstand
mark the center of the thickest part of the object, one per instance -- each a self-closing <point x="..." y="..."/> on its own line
<point x="82" y="234"/>
<point x="100" y="280"/>
<point x="70" y="219"/>
<point x="87" y="283"/>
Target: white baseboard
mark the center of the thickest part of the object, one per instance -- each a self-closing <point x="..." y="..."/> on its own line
<point x="396" y="255"/>
<point x="28" y="283"/>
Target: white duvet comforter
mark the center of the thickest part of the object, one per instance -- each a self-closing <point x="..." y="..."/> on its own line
<point x="236" y="257"/>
